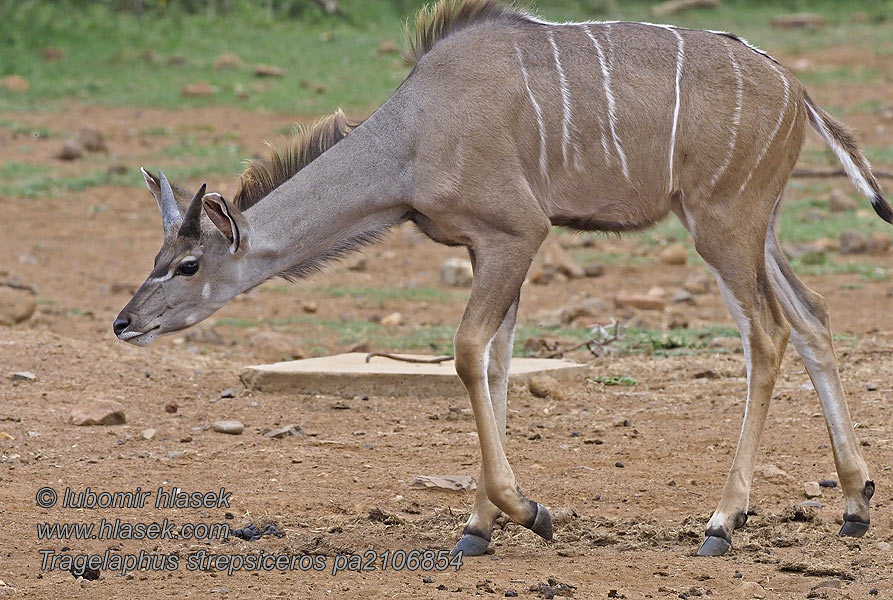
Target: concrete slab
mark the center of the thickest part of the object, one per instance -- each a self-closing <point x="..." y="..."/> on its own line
<point x="350" y="375"/>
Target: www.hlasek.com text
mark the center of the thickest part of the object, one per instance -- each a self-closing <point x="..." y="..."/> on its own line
<point x="370" y="560"/>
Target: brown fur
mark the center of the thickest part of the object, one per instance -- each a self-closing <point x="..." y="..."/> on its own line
<point x="262" y="177"/>
<point x="437" y="21"/>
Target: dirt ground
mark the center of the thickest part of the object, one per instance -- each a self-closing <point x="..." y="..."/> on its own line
<point x="342" y="487"/>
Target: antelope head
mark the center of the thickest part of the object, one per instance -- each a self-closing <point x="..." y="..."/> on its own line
<point x="198" y="269"/>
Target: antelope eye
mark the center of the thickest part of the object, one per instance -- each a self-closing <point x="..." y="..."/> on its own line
<point x="188" y="268"/>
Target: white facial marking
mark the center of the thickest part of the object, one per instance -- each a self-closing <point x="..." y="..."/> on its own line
<point x="567" y="122"/>
<point x="206" y="290"/>
<point x="162" y="278"/>
<point x="609" y="96"/>
<point x="736" y="118"/>
<point x="536" y="108"/>
<point x="784" y="108"/>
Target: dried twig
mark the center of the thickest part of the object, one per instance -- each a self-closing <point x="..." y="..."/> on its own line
<point x="429" y="361"/>
<point x="597" y="344"/>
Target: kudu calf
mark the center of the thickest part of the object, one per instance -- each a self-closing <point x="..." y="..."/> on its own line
<point x="506" y="126"/>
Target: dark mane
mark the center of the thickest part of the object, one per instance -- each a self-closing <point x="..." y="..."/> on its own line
<point x="261" y="177"/>
<point x="437" y="21"/>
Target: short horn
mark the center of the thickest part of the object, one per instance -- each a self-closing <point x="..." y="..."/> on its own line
<point x="191" y="226"/>
<point x="170" y="212"/>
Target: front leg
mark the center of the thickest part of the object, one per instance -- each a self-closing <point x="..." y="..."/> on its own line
<point x="501" y="263"/>
<point x="476" y="535"/>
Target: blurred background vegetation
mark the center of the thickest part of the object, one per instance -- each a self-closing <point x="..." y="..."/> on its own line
<point x="324" y="53"/>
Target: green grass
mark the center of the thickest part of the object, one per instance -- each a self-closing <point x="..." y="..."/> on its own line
<point x="612" y="381"/>
<point x="384" y="295"/>
<point x="106" y="50"/>
<point x="822" y="264"/>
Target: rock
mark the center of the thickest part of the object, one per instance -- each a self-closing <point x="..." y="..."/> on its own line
<point x="71" y="150"/>
<point x="674" y="255"/>
<point x="563" y="515"/>
<point x="883" y="547"/>
<point x="171" y="407"/>
<point x="392" y="320"/>
<point x="559" y="259"/>
<point x="147" y="434"/>
<point x="593" y="269"/>
<point x="799" y="20"/>
<point x="542" y="344"/>
<point x="697" y="283"/>
<point x="310" y="307"/>
<point x="541" y="275"/>
<point x="205" y="335"/>
<point x="287" y="431"/>
<point x="357" y="264"/>
<point x="389" y="47"/>
<point x="92" y="140"/>
<point x="772" y="474"/>
<point x="546" y="386"/>
<point x="198" y="89"/>
<point x="752" y="589"/>
<point x="640" y="301"/>
<point x="620" y="421"/>
<point x="549" y="319"/>
<point x="51" y="53"/>
<point x="810" y="504"/>
<point x="683" y="296"/>
<point x="880" y="243"/>
<point x="232" y="427"/>
<point x="275" y="345"/>
<point x="812" y="489"/>
<point x="827" y="483"/>
<point x="23" y="376"/>
<point x="15" y="83"/>
<point x="117" y="169"/>
<point x="16" y="305"/>
<point x="840" y="201"/>
<point x="262" y="70"/>
<point x="456" y="272"/>
<point x="98" y="412"/>
<point x="671" y="7"/>
<point x="853" y="242"/>
<point x="228" y="393"/>
<point x="674" y="319"/>
<point x="227" y="60"/>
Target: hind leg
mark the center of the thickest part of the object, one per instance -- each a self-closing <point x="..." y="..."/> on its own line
<point x="737" y="262"/>
<point x="808" y="315"/>
<point x="476" y="534"/>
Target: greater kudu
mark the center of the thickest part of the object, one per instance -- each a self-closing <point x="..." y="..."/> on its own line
<point x="506" y="126"/>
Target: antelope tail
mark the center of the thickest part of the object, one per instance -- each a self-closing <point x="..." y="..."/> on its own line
<point x="842" y="142"/>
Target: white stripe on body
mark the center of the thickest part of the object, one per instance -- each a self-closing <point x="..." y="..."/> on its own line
<point x="680" y="56"/>
<point x="536" y="108"/>
<point x="567" y="120"/>
<point x="612" y="105"/>
<point x="784" y="109"/>
<point x="736" y="119"/>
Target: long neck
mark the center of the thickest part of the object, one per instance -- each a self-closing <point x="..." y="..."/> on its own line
<point x="353" y="192"/>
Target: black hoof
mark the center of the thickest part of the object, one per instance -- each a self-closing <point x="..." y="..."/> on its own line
<point x="714" y="546"/>
<point x="853" y="529"/>
<point x="542" y="523"/>
<point x="471" y="545"/>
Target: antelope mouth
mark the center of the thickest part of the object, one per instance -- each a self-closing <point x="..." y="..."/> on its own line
<point x="140" y="338"/>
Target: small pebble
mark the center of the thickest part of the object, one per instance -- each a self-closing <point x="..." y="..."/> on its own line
<point x="511" y="594"/>
<point x="871" y="387"/>
<point x="23" y="376"/>
<point x="228" y="393"/>
<point x="827" y="483"/>
<point x="427" y="580"/>
<point x="229" y="426"/>
<point x="619" y="464"/>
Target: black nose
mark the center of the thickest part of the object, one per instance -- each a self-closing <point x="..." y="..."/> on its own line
<point x="120" y="324"/>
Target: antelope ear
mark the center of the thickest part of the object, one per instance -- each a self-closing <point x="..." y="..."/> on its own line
<point x="228" y="220"/>
<point x="153" y="182"/>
